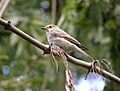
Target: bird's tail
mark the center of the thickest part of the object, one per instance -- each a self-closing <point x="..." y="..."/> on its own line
<point x="84" y="53"/>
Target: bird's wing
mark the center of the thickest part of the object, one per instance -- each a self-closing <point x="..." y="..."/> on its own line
<point x="75" y="42"/>
<point x="70" y="39"/>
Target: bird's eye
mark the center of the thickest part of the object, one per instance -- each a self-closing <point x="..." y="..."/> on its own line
<point x="50" y="26"/>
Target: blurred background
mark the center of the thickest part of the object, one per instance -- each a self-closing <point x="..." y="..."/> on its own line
<point x="95" y="23"/>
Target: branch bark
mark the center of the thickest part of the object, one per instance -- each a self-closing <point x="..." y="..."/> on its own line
<point x="45" y="48"/>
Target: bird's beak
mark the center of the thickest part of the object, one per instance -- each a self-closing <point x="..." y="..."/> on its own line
<point x="43" y="28"/>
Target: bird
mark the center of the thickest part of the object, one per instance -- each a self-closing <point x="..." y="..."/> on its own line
<point x="62" y="39"/>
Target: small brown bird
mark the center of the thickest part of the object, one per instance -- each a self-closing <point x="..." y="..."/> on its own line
<point x="60" y="38"/>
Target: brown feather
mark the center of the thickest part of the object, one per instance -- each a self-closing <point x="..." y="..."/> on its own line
<point x="69" y="38"/>
<point x="76" y="43"/>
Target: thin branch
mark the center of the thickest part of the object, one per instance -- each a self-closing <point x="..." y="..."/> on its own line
<point x="9" y="26"/>
<point x="61" y="20"/>
<point x="54" y="3"/>
<point x="88" y="65"/>
<point x="1" y="3"/>
<point x="3" y="6"/>
<point x="45" y="48"/>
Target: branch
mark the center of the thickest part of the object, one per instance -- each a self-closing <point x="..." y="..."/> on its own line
<point x="61" y="20"/>
<point x="45" y="48"/>
<point x="9" y="26"/>
<point x="54" y="3"/>
<point x="3" y="6"/>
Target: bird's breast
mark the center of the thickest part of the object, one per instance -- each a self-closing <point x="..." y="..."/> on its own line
<point x="60" y="42"/>
<point x="49" y="38"/>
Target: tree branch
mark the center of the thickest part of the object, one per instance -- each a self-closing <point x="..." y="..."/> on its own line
<point x="3" y="6"/>
<point x="45" y="48"/>
<point x="54" y="3"/>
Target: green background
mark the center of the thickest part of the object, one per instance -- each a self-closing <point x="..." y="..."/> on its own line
<point x="95" y="23"/>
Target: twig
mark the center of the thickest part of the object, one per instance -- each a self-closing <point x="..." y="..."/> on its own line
<point x="88" y="65"/>
<point x="61" y="20"/>
<point x="3" y="5"/>
<point x="45" y="48"/>
<point x="8" y="25"/>
<point x="54" y="3"/>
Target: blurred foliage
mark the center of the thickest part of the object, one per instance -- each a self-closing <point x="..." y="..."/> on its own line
<point x="96" y="23"/>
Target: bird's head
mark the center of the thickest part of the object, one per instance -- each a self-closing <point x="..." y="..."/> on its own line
<point x="49" y="28"/>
